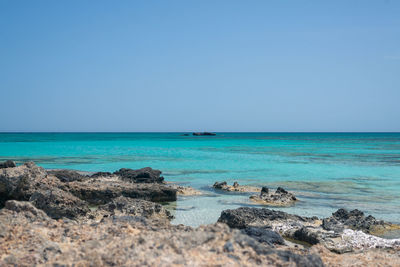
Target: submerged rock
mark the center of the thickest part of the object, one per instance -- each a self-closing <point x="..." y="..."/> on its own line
<point x="280" y="197"/>
<point x="7" y="164"/>
<point x="144" y="175"/>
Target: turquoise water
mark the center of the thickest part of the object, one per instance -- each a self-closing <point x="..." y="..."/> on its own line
<point x="326" y="170"/>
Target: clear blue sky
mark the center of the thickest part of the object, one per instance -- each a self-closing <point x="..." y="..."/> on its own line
<point x="200" y="65"/>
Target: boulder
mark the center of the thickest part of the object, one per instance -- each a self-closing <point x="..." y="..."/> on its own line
<point x="354" y="219"/>
<point x="59" y="204"/>
<point x="144" y="175"/>
<point x="7" y="164"/>
<point x="19" y="183"/>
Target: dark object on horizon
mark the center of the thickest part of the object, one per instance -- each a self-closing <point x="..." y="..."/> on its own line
<point x="204" y="133"/>
<point x="144" y="175"/>
<point x="7" y="164"/>
<point x="186" y="134"/>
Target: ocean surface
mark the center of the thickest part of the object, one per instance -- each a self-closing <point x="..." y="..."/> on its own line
<point x="326" y="171"/>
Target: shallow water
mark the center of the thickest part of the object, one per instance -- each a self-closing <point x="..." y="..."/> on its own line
<point x="326" y="170"/>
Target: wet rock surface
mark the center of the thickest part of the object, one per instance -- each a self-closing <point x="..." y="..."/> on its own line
<point x="280" y="197"/>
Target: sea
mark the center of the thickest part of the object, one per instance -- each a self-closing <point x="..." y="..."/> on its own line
<point x="326" y="171"/>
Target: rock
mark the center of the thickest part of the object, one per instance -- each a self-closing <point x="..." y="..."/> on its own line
<point x="67" y="176"/>
<point x="331" y="224"/>
<point x="101" y="174"/>
<point x="26" y="208"/>
<point x="102" y="190"/>
<point x="144" y="175"/>
<point x="59" y="204"/>
<point x="220" y="185"/>
<point x="7" y="164"/>
<point x="334" y="236"/>
<point x="264" y="235"/>
<point x="134" y="207"/>
<point x="235" y="187"/>
<point x="307" y="235"/>
<point x="186" y="190"/>
<point x="21" y="182"/>
<point x="281" y="197"/>
<point x="245" y="217"/>
<point x="204" y="134"/>
<point x="134" y="241"/>
<point x="355" y="220"/>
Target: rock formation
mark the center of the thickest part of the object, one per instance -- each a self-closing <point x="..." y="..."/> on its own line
<point x="280" y="197"/>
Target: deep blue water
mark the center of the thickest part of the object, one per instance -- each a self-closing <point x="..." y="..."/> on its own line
<point x="326" y="170"/>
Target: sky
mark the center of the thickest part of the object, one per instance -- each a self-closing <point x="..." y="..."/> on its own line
<point x="275" y="65"/>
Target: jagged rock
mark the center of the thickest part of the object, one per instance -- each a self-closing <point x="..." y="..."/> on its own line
<point x="67" y="176"/>
<point x="26" y="208"/>
<point x="101" y="174"/>
<point x="245" y="217"/>
<point x="21" y="182"/>
<point x="134" y="207"/>
<point x="144" y="175"/>
<point x="235" y="187"/>
<point x="281" y="197"/>
<point x="102" y="190"/>
<point x="204" y="134"/>
<point x="133" y="241"/>
<point x="7" y="164"/>
<point x="355" y="220"/>
<point x="59" y="204"/>
<point x="264" y="235"/>
<point x="309" y="230"/>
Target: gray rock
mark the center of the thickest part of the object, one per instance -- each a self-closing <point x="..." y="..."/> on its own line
<point x="7" y="164"/>
<point x="59" y="204"/>
<point x="21" y="182"/>
<point x="264" y="235"/>
<point x="144" y="175"/>
<point x="67" y="176"/>
<point x="134" y="207"/>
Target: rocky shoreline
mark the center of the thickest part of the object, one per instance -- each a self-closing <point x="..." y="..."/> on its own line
<point x="66" y="218"/>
